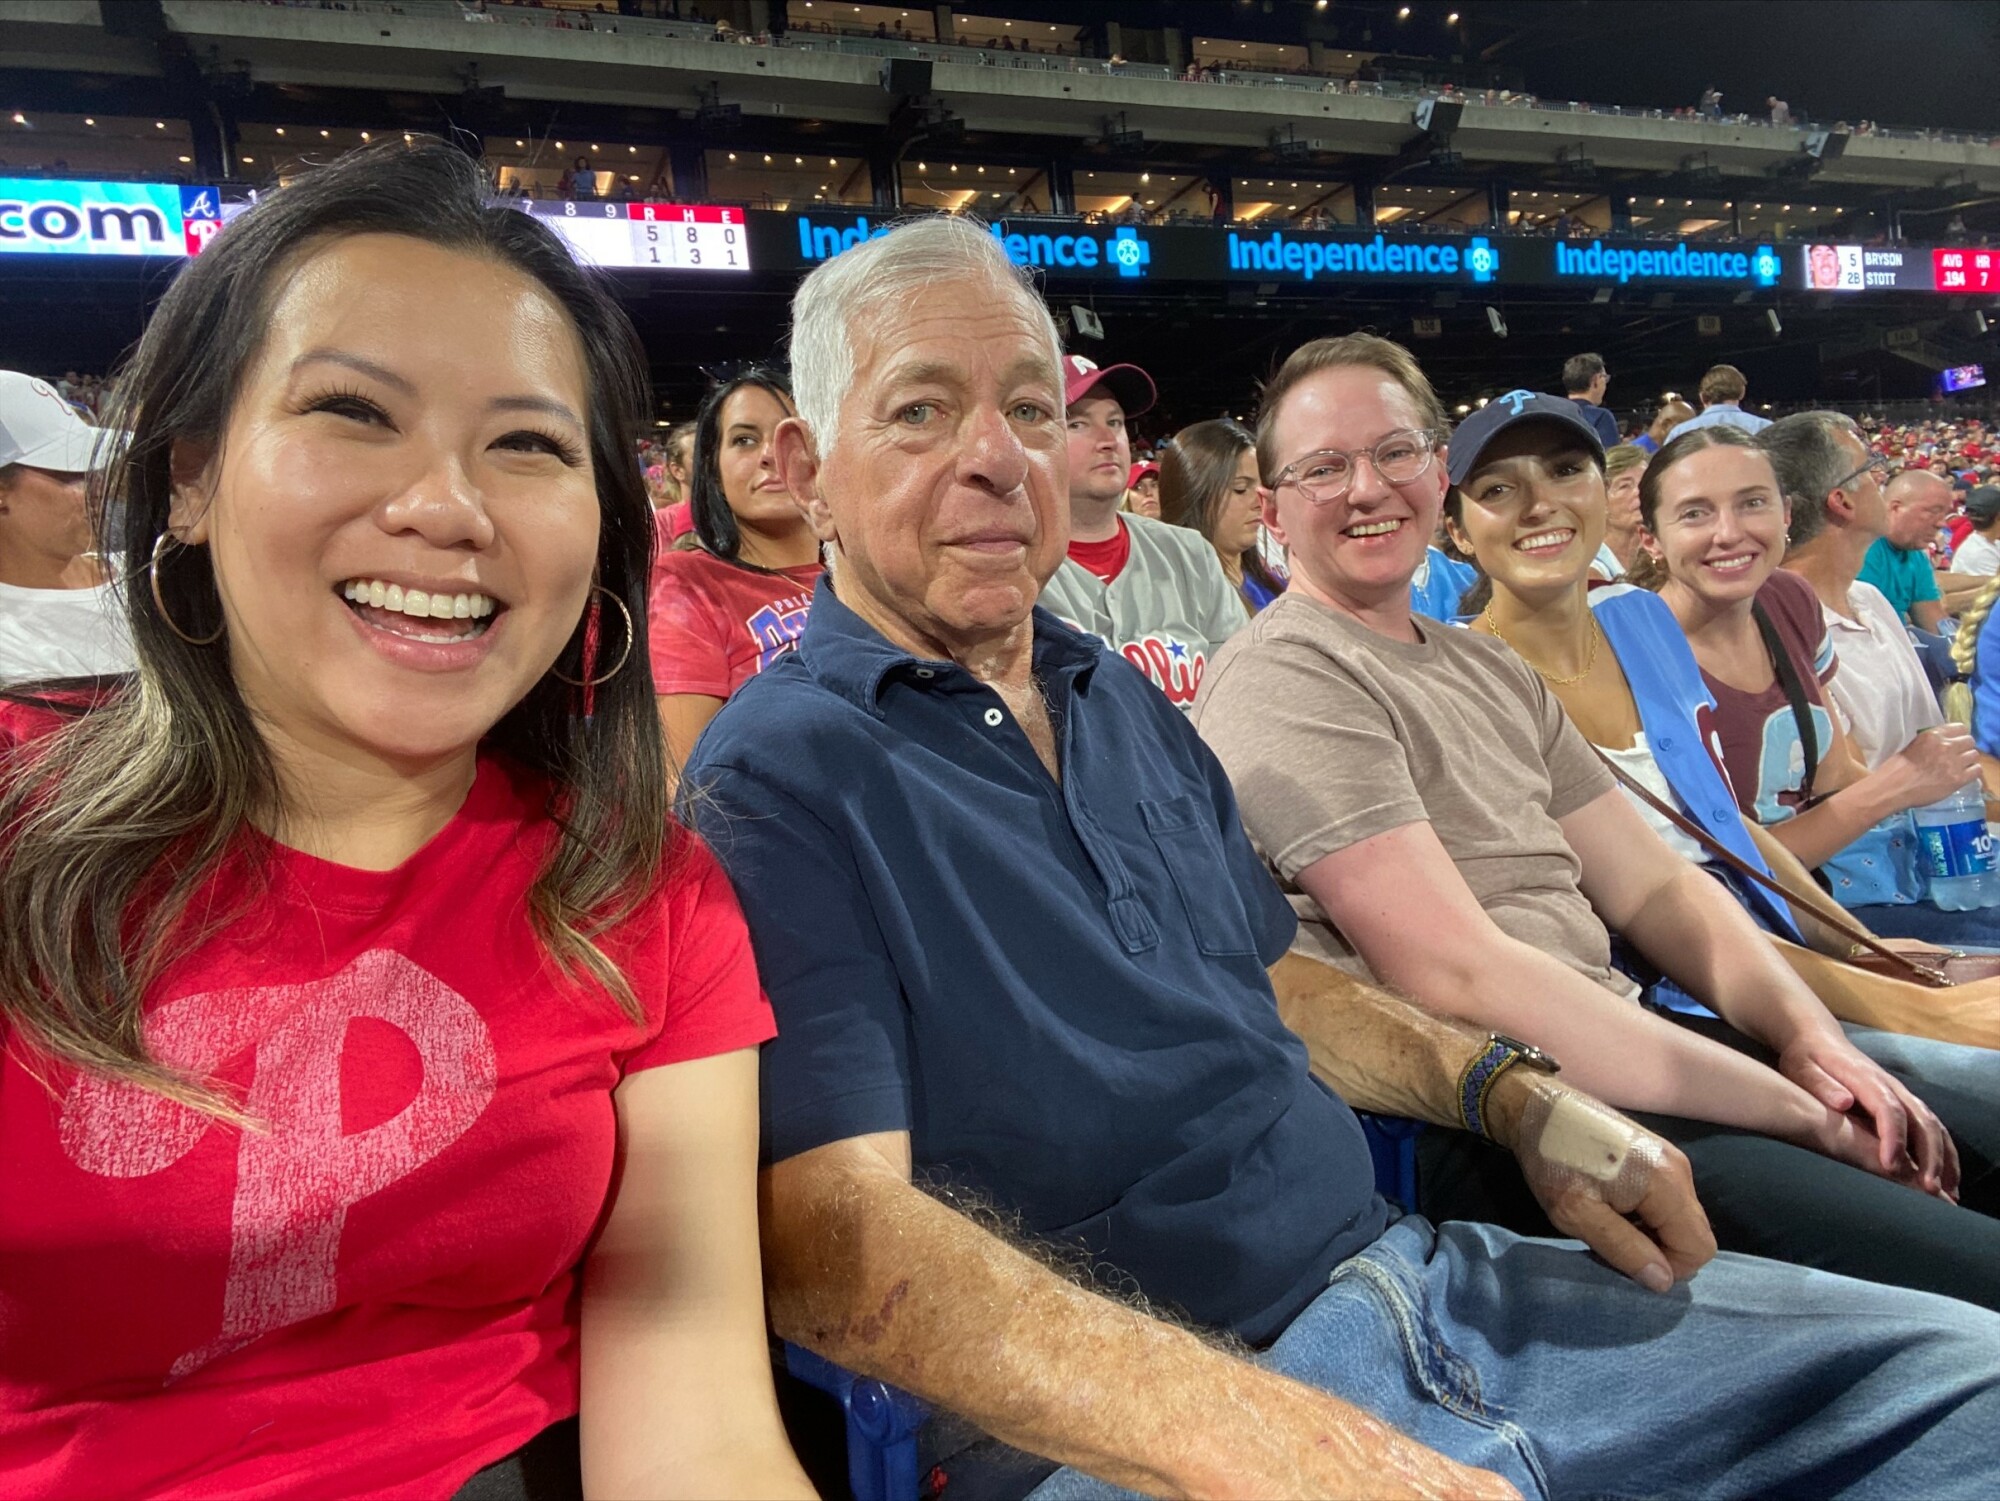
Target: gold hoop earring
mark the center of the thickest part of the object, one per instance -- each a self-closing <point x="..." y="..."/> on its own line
<point x="617" y="666"/>
<point x="160" y="604"/>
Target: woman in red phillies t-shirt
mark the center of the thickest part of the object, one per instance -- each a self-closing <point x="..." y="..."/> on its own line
<point x="734" y="599"/>
<point x="379" y="1077"/>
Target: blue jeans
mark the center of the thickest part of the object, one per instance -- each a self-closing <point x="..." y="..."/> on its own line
<point x="1532" y="1359"/>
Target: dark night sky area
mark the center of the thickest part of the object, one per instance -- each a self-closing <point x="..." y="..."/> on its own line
<point x="1901" y="62"/>
<point x="1897" y="62"/>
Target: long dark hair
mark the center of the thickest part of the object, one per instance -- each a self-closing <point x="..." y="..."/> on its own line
<point x="1478" y="594"/>
<point x="1196" y="471"/>
<point x="106" y="833"/>
<point x="714" y="523"/>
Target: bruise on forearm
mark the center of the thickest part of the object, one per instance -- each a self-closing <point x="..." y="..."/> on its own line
<point x="877" y="1275"/>
<point x="1375" y="1050"/>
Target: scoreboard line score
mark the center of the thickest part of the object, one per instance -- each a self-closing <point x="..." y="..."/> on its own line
<point x="648" y="236"/>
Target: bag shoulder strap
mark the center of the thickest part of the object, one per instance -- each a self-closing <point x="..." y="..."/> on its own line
<point x="1795" y="695"/>
<point x="1923" y="974"/>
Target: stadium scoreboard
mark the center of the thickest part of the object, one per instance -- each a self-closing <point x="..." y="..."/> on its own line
<point x="1966" y="270"/>
<point x="648" y="236"/>
<point x="1901" y="268"/>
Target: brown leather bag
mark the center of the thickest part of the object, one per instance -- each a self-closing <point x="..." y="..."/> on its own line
<point x="1868" y="953"/>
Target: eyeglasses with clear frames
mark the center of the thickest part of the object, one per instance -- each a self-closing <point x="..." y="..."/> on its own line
<point x="1327" y="474"/>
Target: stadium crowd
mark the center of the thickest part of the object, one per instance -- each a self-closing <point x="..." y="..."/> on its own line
<point x="499" y="909"/>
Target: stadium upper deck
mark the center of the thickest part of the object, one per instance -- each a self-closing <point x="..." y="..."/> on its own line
<point x="796" y="74"/>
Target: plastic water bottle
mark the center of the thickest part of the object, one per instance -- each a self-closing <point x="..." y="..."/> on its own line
<point x="1957" y="852"/>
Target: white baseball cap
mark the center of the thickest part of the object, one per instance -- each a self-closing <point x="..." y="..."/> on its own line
<point x="38" y="428"/>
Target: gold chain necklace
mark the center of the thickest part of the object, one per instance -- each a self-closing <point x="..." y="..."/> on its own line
<point x="1589" y="656"/>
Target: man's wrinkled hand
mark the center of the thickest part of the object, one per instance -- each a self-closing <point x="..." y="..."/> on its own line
<point x="1624" y="1192"/>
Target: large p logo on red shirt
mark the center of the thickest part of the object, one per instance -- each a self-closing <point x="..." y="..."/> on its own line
<point x="296" y="1179"/>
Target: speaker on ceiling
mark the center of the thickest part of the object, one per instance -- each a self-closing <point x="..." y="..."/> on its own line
<point x="1438" y="117"/>
<point x="134" y="18"/>
<point x="906" y="76"/>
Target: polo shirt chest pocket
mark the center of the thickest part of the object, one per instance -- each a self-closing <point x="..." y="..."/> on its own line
<point x="1190" y="846"/>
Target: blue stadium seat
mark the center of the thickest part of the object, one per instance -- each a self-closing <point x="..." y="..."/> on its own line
<point x="882" y="1425"/>
<point x="1392" y="1144"/>
<point x="882" y="1422"/>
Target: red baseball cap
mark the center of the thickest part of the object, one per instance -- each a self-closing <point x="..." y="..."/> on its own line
<point x="1131" y="387"/>
<point x="1140" y="470"/>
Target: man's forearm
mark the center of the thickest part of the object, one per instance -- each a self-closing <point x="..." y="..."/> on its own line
<point x="1373" y="1049"/>
<point x="1957" y="590"/>
<point x="1384" y="1054"/>
<point x="885" y="1280"/>
<point x="1608" y="1047"/>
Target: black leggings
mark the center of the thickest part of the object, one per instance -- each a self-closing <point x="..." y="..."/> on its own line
<point x="548" y="1467"/>
<point x="1768" y="1198"/>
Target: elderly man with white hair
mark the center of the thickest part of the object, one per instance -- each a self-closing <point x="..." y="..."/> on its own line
<point x="1023" y="958"/>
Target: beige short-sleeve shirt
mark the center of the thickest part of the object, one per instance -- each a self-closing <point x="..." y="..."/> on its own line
<point x="1333" y="734"/>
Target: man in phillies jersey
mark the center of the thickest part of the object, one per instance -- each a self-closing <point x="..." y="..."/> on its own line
<point x="1155" y="593"/>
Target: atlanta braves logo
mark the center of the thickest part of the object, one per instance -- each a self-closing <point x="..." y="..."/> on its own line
<point x="1173" y="665"/>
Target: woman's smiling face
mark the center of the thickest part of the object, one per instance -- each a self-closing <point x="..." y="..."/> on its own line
<point x="1533" y="511"/>
<point x="413" y="435"/>
<point x="1720" y="523"/>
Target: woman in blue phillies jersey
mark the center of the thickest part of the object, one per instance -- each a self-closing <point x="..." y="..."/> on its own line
<point x="1651" y="716"/>
<point x="1531" y="510"/>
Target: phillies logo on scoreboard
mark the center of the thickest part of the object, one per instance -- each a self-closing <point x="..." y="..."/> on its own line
<point x="201" y="217"/>
<point x="1173" y="665"/>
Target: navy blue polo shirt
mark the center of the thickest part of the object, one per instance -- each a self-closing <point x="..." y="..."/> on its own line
<point x="1058" y="990"/>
